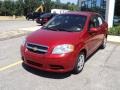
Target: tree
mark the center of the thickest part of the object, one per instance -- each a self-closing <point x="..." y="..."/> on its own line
<point x="6" y="7"/>
<point x="18" y="8"/>
<point x="47" y="5"/>
<point x="22" y="7"/>
<point x="0" y="7"/>
<point x="31" y="5"/>
<point x="71" y="6"/>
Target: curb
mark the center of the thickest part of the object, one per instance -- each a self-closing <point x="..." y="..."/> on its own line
<point x="113" y="39"/>
<point x="11" y="18"/>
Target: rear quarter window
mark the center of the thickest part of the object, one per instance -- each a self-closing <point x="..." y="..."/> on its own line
<point x="100" y="21"/>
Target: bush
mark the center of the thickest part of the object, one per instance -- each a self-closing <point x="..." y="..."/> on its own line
<point x="115" y="30"/>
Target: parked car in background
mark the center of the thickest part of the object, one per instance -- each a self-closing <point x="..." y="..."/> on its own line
<point x="45" y="18"/>
<point x="116" y="20"/>
<point x="33" y="15"/>
<point x="65" y="42"/>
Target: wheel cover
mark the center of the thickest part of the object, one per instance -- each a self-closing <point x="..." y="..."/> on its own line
<point x="81" y="61"/>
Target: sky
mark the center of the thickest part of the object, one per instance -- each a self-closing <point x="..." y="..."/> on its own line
<point x="65" y="1"/>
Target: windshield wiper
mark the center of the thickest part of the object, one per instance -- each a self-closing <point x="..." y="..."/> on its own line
<point x="57" y="29"/>
<point x="62" y="29"/>
<point x="49" y="28"/>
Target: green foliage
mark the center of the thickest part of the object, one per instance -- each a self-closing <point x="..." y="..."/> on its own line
<point x="115" y="31"/>
<point x="47" y="4"/>
<point x="68" y="6"/>
<point x="0" y="6"/>
<point x="6" y="7"/>
<point x="31" y="5"/>
<point x="18" y="8"/>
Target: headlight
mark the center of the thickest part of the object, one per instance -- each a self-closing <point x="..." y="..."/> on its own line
<point x="62" y="49"/>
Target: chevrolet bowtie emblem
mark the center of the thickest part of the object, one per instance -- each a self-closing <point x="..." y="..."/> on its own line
<point x="35" y="48"/>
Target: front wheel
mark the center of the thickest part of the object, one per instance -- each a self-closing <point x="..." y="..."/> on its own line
<point x="79" y="63"/>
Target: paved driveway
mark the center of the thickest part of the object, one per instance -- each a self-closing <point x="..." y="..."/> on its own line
<point x="101" y="71"/>
<point x="15" y="25"/>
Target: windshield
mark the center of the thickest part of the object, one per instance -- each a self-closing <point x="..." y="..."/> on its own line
<point x="66" y="22"/>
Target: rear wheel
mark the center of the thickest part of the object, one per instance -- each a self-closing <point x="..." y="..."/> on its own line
<point x="104" y="43"/>
<point x="28" y="19"/>
<point x="79" y="63"/>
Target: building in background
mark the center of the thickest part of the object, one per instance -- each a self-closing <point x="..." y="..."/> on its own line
<point x="98" y="6"/>
<point x="104" y="7"/>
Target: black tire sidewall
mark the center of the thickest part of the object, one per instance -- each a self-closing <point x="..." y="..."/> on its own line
<point x="75" y="70"/>
<point x="103" y="46"/>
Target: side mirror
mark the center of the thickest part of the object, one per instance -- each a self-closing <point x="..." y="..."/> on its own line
<point x="93" y="30"/>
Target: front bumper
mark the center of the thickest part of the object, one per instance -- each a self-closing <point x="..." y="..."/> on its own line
<point x="49" y="62"/>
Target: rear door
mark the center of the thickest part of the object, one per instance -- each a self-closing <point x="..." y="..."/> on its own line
<point x="101" y="30"/>
<point x="92" y="41"/>
<point x="95" y="38"/>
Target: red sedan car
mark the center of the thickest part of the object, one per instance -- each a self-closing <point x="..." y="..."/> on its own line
<point x="65" y="42"/>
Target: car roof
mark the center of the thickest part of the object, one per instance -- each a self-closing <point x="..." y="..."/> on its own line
<point x="47" y="14"/>
<point x="85" y="13"/>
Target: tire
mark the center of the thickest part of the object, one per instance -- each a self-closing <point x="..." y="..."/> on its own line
<point x="103" y="43"/>
<point x="42" y="24"/>
<point x="27" y="18"/>
<point x="79" y="63"/>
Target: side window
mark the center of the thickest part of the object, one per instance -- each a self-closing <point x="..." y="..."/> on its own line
<point x="94" y="23"/>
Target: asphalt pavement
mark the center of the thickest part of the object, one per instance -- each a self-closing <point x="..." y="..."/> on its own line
<point x="13" y="29"/>
<point x="101" y="71"/>
<point x="14" y="25"/>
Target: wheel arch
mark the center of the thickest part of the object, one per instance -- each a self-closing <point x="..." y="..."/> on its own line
<point x="84" y="51"/>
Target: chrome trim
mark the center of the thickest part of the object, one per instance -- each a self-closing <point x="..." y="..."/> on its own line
<point x="37" y="49"/>
<point x="38" y="44"/>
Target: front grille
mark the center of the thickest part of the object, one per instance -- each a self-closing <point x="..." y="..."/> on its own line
<point x="36" y="48"/>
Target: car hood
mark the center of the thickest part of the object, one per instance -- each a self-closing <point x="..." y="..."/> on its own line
<point x="48" y="37"/>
